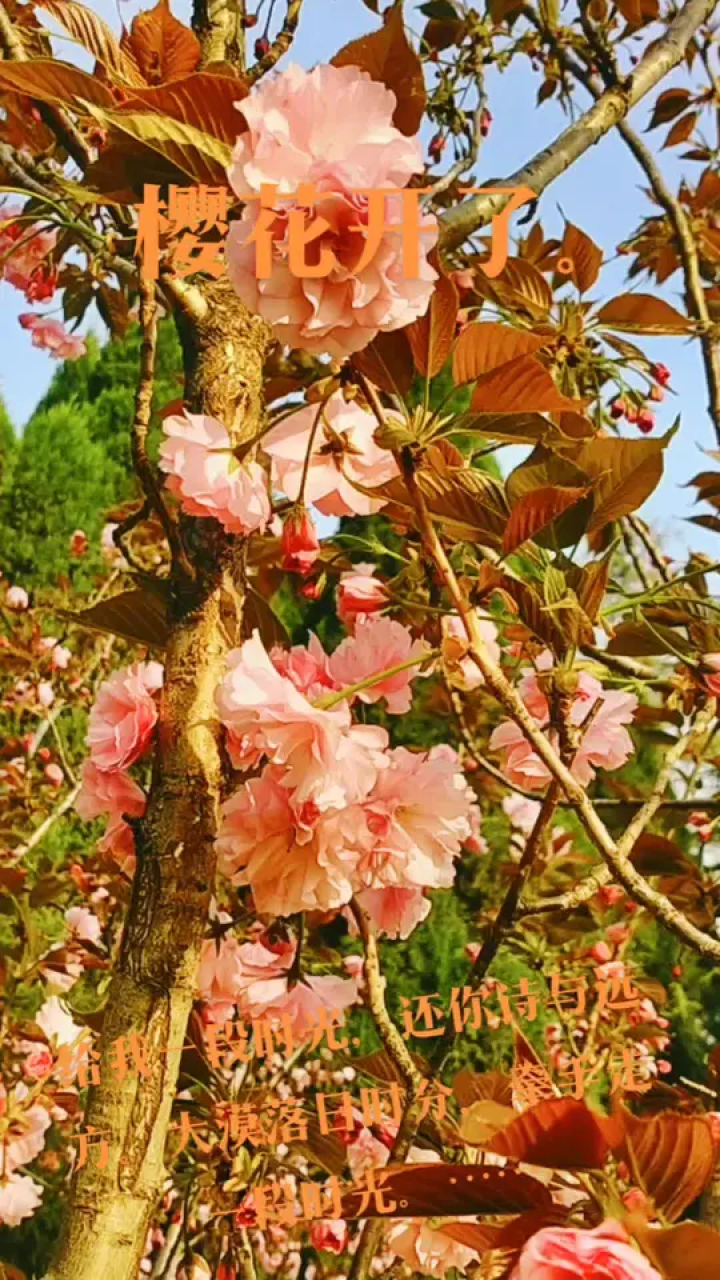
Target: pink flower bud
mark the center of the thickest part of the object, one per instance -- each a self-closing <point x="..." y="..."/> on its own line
<point x="78" y="543"/>
<point x="54" y="775"/>
<point x="300" y="543"/>
<point x="600" y="952"/>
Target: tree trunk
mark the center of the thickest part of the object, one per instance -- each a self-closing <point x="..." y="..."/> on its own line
<point x="152" y="991"/>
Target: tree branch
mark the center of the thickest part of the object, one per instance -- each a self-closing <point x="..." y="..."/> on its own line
<point x="664" y="54"/>
<point x="615" y="856"/>
<point x="143" y="409"/>
<point x="54" y="117"/>
<point x="280" y="44"/>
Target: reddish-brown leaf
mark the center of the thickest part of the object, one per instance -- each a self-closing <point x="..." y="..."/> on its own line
<point x="388" y="362"/>
<point x="669" y="104"/>
<point x="432" y="336"/>
<point x="483" y="347"/>
<point x="682" y="129"/>
<point x="643" y="313"/>
<point x="204" y="100"/>
<point x="96" y="36"/>
<point x="470" y="1086"/>
<point x="48" y="80"/>
<point x="162" y="46"/>
<point x="637" y="13"/>
<point x="536" y="511"/>
<point x="558" y="1133"/>
<point x="429" y="1190"/>
<point x="521" y="386"/>
<point x="586" y="257"/>
<point x="672" y="1157"/>
<point x="388" y="56"/>
<point x="688" y="1251"/>
<point x="625" y="473"/>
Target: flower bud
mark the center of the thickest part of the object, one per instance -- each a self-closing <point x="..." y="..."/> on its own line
<point x="300" y="543"/>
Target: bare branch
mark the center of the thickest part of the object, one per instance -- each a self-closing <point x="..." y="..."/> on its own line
<point x="280" y="44"/>
<point x="664" y="54"/>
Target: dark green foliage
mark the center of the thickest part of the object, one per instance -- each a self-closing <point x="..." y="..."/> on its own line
<point x="8" y="442"/>
<point x="72" y="464"/>
<point x="62" y="480"/>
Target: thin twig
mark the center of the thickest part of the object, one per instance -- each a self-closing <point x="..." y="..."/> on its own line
<point x="141" y="424"/>
<point x="40" y="832"/>
<point x="460" y="222"/>
<point x="280" y="44"/>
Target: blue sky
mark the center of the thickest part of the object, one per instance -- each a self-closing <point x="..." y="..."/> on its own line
<point x="602" y="193"/>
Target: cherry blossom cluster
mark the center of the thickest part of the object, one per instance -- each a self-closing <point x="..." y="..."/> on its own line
<point x="335" y="811"/>
<point x="292" y="140"/>
<point x="120" y="733"/>
<point x="25" y="263"/>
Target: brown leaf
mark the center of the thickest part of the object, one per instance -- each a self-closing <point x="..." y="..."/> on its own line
<point x="624" y="472"/>
<point x="482" y="1120"/>
<point x="643" y="313"/>
<point x="669" y="104"/>
<point x="672" y="1157"/>
<point x="688" y="1251"/>
<point x="126" y="165"/>
<point x="592" y="584"/>
<point x="638" y="640"/>
<point x="429" y="1190"/>
<point x="536" y="511"/>
<point x="260" y="616"/>
<point x="380" y="1066"/>
<point x="655" y="855"/>
<point x="682" y="129"/>
<point x="585" y="256"/>
<point x="388" y="56"/>
<point x="470" y="1086"/>
<point x="513" y="428"/>
<point x="441" y="33"/>
<point x="637" y="13"/>
<point x="139" y="615"/>
<point x="521" y="386"/>
<point x="204" y="100"/>
<point x="432" y="336"/>
<point x="521" y="287"/>
<point x="163" y="48"/>
<point x="483" y="347"/>
<point x="189" y="147"/>
<point x="558" y="1133"/>
<point x="96" y="36"/>
<point x="48" y="80"/>
<point x="388" y="362"/>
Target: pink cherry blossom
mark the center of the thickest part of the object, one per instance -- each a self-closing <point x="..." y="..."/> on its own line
<point x="563" y="1253"/>
<point x="521" y="811"/>
<point x="124" y="715"/>
<point x="395" y="911"/>
<point x="45" y="693"/>
<point x="428" y="1249"/>
<point x="113" y="792"/>
<point x="38" y="1062"/>
<point x="57" y="1024"/>
<point x="197" y="456"/>
<point x="606" y="743"/>
<point x="17" y="599"/>
<point x="118" y="843"/>
<point x="294" y="137"/>
<point x="51" y="335"/>
<point x="305" y="1003"/>
<point x="328" y="761"/>
<point x="343" y="454"/>
<point x="378" y="645"/>
<point x="418" y="815"/>
<point x="23" y="249"/>
<point x="24" y="1137"/>
<point x="289" y="868"/>
<point x="19" y="1198"/>
<point x="53" y="774"/>
<point x="308" y="666"/>
<point x="330" y="1235"/>
<point x="455" y="649"/>
<point x="231" y="972"/>
<point x="83" y="924"/>
<point x="359" y="594"/>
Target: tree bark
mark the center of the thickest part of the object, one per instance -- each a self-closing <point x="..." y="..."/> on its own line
<point x="153" y="988"/>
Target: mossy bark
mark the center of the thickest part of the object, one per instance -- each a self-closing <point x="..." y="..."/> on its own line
<point x="152" y="991"/>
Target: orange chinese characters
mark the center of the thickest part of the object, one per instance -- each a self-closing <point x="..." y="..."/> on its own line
<point x="501" y="224"/>
<point x="189" y="213"/>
